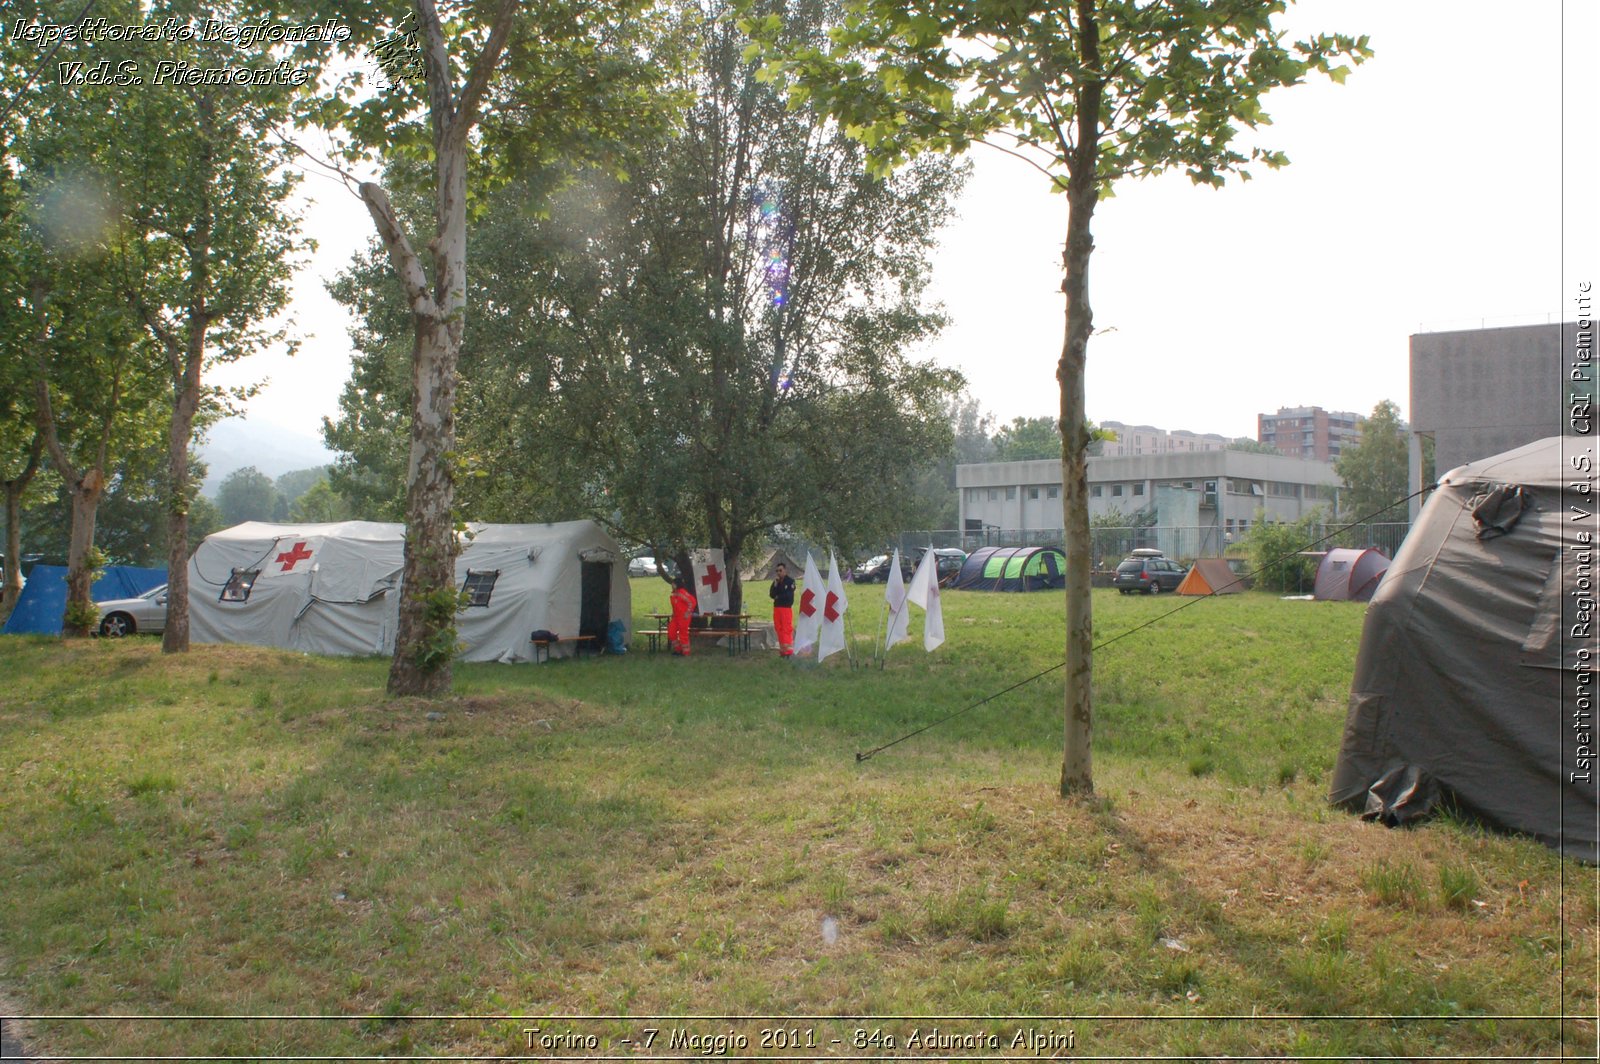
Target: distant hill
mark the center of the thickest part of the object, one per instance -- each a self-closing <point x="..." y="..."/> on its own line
<point x="273" y="449"/>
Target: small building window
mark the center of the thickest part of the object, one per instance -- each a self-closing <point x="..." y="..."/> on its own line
<point x="1033" y="493"/>
<point x="1116" y="491"/>
<point x="1011" y="493"/>
<point x="479" y="585"/>
<point x="1138" y="489"/>
<point x="993" y="494"/>
<point x="1055" y="493"/>
<point x="1094" y="491"/>
<point x="237" y="589"/>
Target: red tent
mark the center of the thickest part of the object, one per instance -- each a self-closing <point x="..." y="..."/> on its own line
<point x="1350" y="575"/>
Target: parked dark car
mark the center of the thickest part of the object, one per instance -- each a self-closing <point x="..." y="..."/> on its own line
<point x="875" y="570"/>
<point x="1147" y="572"/>
<point x="947" y="563"/>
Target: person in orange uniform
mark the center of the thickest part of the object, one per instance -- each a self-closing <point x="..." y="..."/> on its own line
<point x="683" y="605"/>
<point x="782" y="594"/>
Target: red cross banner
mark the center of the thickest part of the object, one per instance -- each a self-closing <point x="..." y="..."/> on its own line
<point x="808" y="608"/>
<point x="291" y="556"/>
<point x="834" y="603"/>
<point x="710" y="580"/>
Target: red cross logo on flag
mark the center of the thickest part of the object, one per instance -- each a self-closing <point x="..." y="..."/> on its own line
<point x="298" y="553"/>
<point x="711" y="580"/>
<point x="831" y="609"/>
<point x="808" y="604"/>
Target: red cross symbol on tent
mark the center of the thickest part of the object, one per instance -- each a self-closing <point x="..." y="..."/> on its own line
<point x="289" y="557"/>
<point x="713" y="578"/>
<point x="808" y="606"/>
<point x="828" y="609"/>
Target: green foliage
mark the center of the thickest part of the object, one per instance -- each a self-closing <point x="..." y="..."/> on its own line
<point x="320" y="503"/>
<point x="1249" y="446"/>
<point x="1274" y="553"/>
<point x="1027" y="438"/>
<point x="439" y="645"/>
<point x="627" y="360"/>
<point x="295" y="483"/>
<point x="248" y="494"/>
<point x="1375" y="468"/>
<point x="1164" y="86"/>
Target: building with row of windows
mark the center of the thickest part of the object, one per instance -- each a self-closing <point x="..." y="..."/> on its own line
<point x="1309" y="431"/>
<point x="1147" y="439"/>
<point x="1200" y="501"/>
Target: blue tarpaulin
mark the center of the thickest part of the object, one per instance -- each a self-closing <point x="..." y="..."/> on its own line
<point x="44" y="599"/>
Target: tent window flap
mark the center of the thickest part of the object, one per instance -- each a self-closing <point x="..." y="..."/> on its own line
<point x="479" y="586"/>
<point x="237" y="589"/>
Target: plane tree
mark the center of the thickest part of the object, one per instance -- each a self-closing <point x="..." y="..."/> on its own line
<point x="705" y="352"/>
<point x="496" y="87"/>
<point x="1090" y="92"/>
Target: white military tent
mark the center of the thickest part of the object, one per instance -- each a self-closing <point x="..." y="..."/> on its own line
<point x="334" y="588"/>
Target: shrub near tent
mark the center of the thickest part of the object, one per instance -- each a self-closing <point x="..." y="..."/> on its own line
<point x="1468" y="646"/>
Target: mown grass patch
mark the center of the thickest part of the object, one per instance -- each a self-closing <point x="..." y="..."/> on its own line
<point x="242" y="831"/>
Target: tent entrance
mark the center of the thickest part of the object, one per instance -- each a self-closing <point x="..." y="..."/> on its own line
<point x="594" y="609"/>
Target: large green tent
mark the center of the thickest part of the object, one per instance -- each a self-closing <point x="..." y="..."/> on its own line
<point x="1013" y="569"/>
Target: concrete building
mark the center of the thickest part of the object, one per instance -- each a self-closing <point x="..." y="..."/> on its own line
<point x="1478" y="392"/>
<point x="1201" y="501"/>
<point x="1308" y="431"/>
<point x="1147" y="439"/>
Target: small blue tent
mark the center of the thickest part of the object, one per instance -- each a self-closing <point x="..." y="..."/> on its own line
<point x="44" y="599"/>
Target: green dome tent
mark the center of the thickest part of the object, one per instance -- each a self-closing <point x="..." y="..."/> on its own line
<point x="1013" y="569"/>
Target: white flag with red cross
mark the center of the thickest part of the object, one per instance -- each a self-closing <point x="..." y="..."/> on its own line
<point x="831" y="638"/>
<point x="291" y="556"/>
<point x="710" y="580"/>
<point x="808" y="607"/>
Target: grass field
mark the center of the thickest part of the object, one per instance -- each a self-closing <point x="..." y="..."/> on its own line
<point x="245" y="832"/>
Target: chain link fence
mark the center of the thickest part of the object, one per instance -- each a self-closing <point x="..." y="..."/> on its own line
<point x="1109" y="545"/>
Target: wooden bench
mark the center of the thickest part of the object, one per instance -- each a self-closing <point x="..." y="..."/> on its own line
<point x="737" y="635"/>
<point x="580" y="642"/>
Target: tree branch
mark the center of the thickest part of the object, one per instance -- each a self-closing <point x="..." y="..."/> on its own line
<point x="1055" y="179"/>
<point x="483" y="69"/>
<point x="406" y="265"/>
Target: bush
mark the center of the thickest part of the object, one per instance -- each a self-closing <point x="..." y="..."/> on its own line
<point x="1274" y="554"/>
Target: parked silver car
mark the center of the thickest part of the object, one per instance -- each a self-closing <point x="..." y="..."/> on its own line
<point x="147" y="613"/>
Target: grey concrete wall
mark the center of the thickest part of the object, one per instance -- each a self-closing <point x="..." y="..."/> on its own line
<point x="1482" y="391"/>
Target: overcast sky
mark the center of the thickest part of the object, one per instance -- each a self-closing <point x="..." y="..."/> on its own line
<point x="1438" y="188"/>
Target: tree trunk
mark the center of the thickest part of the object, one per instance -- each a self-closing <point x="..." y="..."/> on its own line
<point x="425" y="641"/>
<point x="1077" y="771"/>
<point x="186" y="366"/>
<point x="80" y="573"/>
<point x="730" y="560"/>
<point x="175" y="640"/>
<point x="15" y="488"/>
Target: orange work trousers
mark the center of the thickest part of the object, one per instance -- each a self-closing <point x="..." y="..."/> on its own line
<point x="783" y="622"/>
